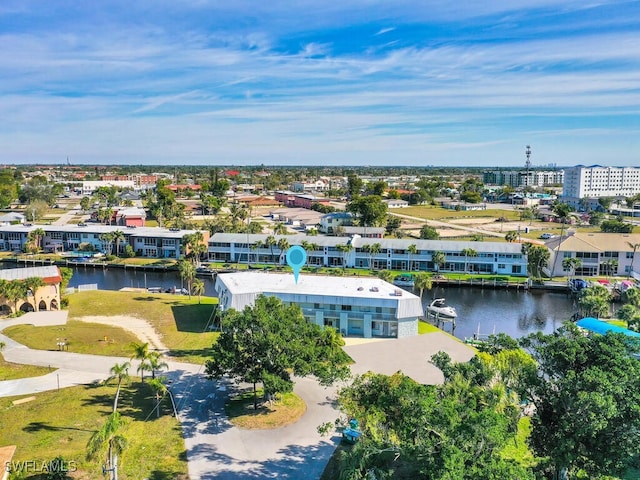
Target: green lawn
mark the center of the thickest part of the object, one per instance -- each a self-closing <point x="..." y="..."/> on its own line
<point x="61" y="422"/>
<point x="429" y="212"/>
<point x="286" y="410"/>
<point x="12" y="371"/>
<point x="181" y="322"/>
<point x="424" y="327"/>
<point x="81" y="337"/>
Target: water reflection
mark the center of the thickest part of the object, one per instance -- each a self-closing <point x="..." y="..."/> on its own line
<point x="516" y="313"/>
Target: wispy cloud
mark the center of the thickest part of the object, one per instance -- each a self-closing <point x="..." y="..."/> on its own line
<point x="202" y="79"/>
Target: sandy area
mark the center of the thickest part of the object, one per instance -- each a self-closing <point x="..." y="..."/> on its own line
<point x="145" y="332"/>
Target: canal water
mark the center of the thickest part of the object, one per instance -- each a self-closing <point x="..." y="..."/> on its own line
<point x="516" y="313"/>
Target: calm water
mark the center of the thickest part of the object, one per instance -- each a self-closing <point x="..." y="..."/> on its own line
<point x="516" y="313"/>
<point x="492" y="311"/>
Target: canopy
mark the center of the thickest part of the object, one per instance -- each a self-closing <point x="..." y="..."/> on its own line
<point x="598" y="326"/>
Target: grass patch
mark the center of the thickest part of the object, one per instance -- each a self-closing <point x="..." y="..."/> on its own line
<point x="286" y="410"/>
<point x="13" y="371"/>
<point x="518" y="450"/>
<point x="424" y="327"/>
<point x="60" y="423"/>
<point x="429" y="212"/>
<point x="181" y="322"/>
<point x="81" y="337"/>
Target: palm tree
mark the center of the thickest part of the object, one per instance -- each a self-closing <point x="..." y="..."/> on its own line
<point x="511" y="236"/>
<point x="344" y="248"/>
<point x="159" y="390"/>
<point x="35" y="238"/>
<point x="33" y="284"/>
<point x="374" y="249"/>
<point x="107" y="239"/>
<point x="198" y="288"/>
<point x="411" y="250"/>
<point x="468" y="252"/>
<point x="118" y="237"/>
<point x="14" y="291"/>
<point x="635" y="247"/>
<point x="271" y="242"/>
<point x="140" y="351"/>
<point x="108" y="438"/>
<point x="439" y="259"/>
<point x="279" y="228"/>
<point x="187" y="272"/>
<point x="422" y="281"/>
<point x="386" y="275"/>
<point x="155" y="362"/>
<point x="194" y="246"/>
<point x="283" y="245"/>
<point x="120" y="372"/>
<point x="571" y="264"/>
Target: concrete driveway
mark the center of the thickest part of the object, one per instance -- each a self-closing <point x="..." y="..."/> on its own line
<point x="410" y="355"/>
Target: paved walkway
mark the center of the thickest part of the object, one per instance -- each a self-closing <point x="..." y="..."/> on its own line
<point x="145" y="332"/>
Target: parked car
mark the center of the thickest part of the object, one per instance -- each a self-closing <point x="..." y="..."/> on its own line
<point x="546" y="236"/>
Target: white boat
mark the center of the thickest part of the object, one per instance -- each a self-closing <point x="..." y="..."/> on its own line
<point x="438" y="308"/>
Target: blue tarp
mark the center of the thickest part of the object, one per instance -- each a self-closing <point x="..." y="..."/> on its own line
<point x="598" y="326"/>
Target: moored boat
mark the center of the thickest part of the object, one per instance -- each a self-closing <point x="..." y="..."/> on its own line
<point x="438" y="308"/>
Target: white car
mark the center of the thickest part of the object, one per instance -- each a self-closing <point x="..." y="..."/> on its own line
<point x="546" y="236"/>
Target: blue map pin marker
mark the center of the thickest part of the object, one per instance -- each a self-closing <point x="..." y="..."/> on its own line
<point x="296" y="258"/>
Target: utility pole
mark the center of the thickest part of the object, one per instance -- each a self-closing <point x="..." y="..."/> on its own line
<point x="527" y="164"/>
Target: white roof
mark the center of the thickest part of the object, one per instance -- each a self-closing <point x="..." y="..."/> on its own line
<point x="44" y="271"/>
<point x="357" y="291"/>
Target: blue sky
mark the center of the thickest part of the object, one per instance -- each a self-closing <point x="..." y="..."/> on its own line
<point x="306" y="82"/>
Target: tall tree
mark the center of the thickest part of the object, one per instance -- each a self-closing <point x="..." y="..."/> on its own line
<point x="35" y="239"/>
<point x="198" y="289"/>
<point x="118" y="238"/>
<point x="422" y="281"/>
<point x="269" y="342"/>
<point x="371" y="210"/>
<point x="427" y="232"/>
<point x="345" y="249"/>
<point x="412" y="250"/>
<point x="468" y="252"/>
<point x="119" y="372"/>
<point x="571" y="264"/>
<point x="33" y="284"/>
<point x="108" y="438"/>
<point x="271" y="242"/>
<point x="439" y="259"/>
<point x="159" y="388"/>
<point x="283" y="246"/>
<point x="586" y="397"/>
<point x="634" y="247"/>
<point x="187" y="272"/>
<point x="140" y="352"/>
<point x="537" y="258"/>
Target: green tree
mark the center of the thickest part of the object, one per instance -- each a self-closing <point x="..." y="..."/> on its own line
<point x="269" y="342"/>
<point x="345" y="249"/>
<point x="271" y="242"/>
<point x="468" y="252"/>
<point x="8" y="188"/>
<point x="85" y="203"/>
<point x="586" y="401"/>
<point x="283" y="246"/>
<point x="279" y="228"/>
<point x="422" y="281"/>
<point x="428" y="232"/>
<point x="595" y="301"/>
<point x="187" y="272"/>
<point x="634" y="247"/>
<point x="439" y="259"/>
<point x="571" y="264"/>
<point x="198" y="289"/>
<point x="36" y="209"/>
<point x="159" y="388"/>
<point x="371" y="210"/>
<point x="194" y="246"/>
<point x="412" y="250"/>
<point x="377" y="188"/>
<point x="119" y="372"/>
<point x="537" y="258"/>
<point x="108" y="438"/>
<point x="107" y="240"/>
<point x="35" y="238"/>
<point x="140" y="352"/>
<point x="511" y="236"/>
<point x="155" y="363"/>
<point x="33" y="284"/>
<point x="118" y="238"/>
<point x="354" y="186"/>
<point x="616" y="226"/>
<point x="386" y="275"/>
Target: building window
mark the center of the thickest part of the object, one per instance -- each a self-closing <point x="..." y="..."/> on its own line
<point x="629" y="255"/>
<point x="346" y="308"/>
<point x="516" y="269"/>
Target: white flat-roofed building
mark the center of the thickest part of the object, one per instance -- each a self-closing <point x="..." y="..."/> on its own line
<point x="90" y="186"/>
<point x="597" y="181"/>
<point x="366" y="307"/>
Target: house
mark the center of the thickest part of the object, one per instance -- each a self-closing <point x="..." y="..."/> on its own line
<point x="46" y="297"/>
<point x="12" y="218"/>
<point x="330" y="221"/>
<point x="396" y="203"/>
<point x="607" y="254"/>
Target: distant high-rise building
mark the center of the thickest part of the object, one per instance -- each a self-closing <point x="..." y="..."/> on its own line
<point x="520" y="178"/>
<point x="596" y="181"/>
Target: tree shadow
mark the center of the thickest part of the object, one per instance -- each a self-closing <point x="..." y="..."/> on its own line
<point x="195" y="352"/>
<point x="193" y="318"/>
<point x="45" y="426"/>
<point x="135" y="401"/>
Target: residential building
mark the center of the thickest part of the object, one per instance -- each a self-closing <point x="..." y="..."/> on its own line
<point x="522" y="178"/>
<point x="596" y="181"/>
<point x="145" y="241"/>
<point x="330" y="221"/>
<point x="358" y="306"/>
<point x="46" y="297"/>
<point x="396" y="203"/>
<point x="12" y="217"/>
<point x="372" y="253"/>
<point x="606" y="254"/>
<point x="364" y="232"/>
<point x="292" y="199"/>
